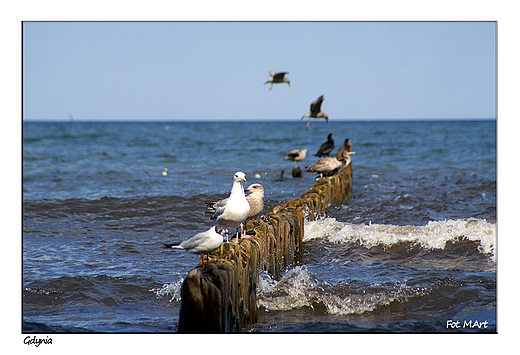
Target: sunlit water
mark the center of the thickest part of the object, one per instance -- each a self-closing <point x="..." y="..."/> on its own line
<point x="414" y="247"/>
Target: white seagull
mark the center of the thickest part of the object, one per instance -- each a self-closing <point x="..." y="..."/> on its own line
<point x="234" y="210"/>
<point x="202" y="243"/>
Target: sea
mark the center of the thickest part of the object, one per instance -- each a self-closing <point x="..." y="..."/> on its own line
<point x="413" y="250"/>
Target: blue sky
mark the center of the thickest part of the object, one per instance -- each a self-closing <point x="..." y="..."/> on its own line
<point x="216" y="70"/>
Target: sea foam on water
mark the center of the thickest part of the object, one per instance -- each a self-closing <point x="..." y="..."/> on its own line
<point x="433" y="235"/>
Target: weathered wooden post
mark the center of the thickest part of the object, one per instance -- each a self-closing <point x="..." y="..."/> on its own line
<point x="221" y="297"/>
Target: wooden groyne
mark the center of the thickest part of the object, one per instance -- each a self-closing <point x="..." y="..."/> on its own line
<point x="221" y="297"/>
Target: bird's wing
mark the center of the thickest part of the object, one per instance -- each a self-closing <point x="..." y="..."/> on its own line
<point x="316" y="106"/>
<point x="220" y="207"/>
<point x="293" y="153"/>
<point x="279" y="76"/>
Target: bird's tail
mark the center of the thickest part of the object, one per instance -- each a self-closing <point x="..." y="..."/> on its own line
<point x="173" y="246"/>
<point x="306" y="115"/>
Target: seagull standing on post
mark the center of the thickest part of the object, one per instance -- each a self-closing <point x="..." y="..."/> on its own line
<point x="296" y="155"/>
<point x="234" y="210"/>
<point x="278" y="78"/>
<point x="202" y="243"/>
<point x="316" y="111"/>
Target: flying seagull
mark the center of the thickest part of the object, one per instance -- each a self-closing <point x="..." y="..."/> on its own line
<point x="316" y="111"/>
<point x="278" y="78"/>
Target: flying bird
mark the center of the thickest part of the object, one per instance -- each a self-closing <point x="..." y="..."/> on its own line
<point x="278" y="78"/>
<point x="202" y="243"/>
<point x="326" y="147"/>
<point x="232" y="211"/>
<point x="316" y="111"/>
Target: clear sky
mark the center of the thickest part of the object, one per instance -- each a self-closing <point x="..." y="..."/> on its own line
<point x="217" y="70"/>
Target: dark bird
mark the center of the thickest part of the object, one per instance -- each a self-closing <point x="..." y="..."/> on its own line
<point x="278" y="78"/>
<point x="316" y="111"/>
<point x="347" y="147"/>
<point x="329" y="166"/>
<point x="326" y="147"/>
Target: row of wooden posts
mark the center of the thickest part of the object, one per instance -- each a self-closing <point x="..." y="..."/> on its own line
<point x="221" y="297"/>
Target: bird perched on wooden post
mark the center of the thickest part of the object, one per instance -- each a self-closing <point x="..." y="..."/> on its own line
<point x="326" y="147"/>
<point x="232" y="211"/>
<point x="329" y="166"/>
<point x="296" y="155"/>
<point x="347" y="147"/>
<point x="255" y="199"/>
<point x="202" y="243"/>
<point x="278" y="78"/>
<point x="316" y="111"/>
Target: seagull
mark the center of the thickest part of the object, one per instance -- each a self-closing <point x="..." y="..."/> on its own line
<point x="347" y="147"/>
<point x="202" y="243"/>
<point x="330" y="165"/>
<point x="165" y="172"/>
<point x="326" y="147"/>
<point x="316" y="111"/>
<point x="232" y="211"/>
<point x="278" y="78"/>
<point x="296" y="155"/>
<point x="255" y="199"/>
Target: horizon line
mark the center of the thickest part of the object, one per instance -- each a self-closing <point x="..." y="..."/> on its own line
<point x="141" y="120"/>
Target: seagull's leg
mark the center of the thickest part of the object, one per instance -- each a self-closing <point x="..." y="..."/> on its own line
<point x="271" y="86"/>
<point x="227" y="235"/>
<point x="295" y="164"/>
<point x="244" y="235"/>
<point x="241" y="232"/>
<point x="308" y="122"/>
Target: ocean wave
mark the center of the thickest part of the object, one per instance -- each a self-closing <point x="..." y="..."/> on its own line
<point x="433" y="235"/>
<point x="298" y="288"/>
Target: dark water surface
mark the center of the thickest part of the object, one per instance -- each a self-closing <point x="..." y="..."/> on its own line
<point x="412" y="250"/>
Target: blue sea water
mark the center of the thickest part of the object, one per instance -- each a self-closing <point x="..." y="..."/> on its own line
<point x="412" y="249"/>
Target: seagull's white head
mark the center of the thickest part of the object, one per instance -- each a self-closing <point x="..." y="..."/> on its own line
<point x="240" y="177"/>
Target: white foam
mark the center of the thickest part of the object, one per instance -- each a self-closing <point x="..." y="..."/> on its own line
<point x="299" y="288"/>
<point x="173" y="289"/>
<point x="434" y="235"/>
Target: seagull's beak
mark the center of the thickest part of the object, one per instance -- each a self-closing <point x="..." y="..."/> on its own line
<point x="244" y="180"/>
